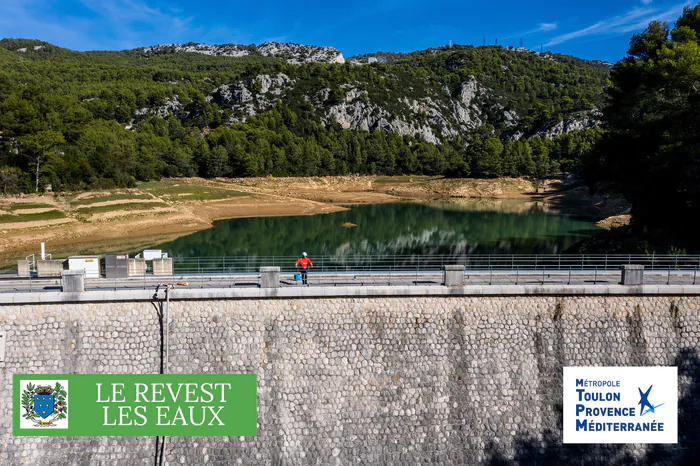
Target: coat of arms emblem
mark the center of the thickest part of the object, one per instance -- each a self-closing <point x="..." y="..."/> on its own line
<point x="46" y="405"/>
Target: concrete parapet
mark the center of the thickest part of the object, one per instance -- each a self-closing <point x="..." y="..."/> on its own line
<point x="163" y="267"/>
<point x="137" y="267"/>
<point x="269" y="277"/>
<point x="49" y="268"/>
<point x="23" y="268"/>
<point x="73" y="281"/>
<point x="632" y="274"/>
<point x="454" y="275"/>
<point x="324" y="292"/>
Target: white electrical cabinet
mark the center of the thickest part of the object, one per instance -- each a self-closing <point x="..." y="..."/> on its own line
<point x="150" y="254"/>
<point x="90" y="264"/>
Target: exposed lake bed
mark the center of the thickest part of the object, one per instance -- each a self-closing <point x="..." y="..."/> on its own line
<point x="502" y="215"/>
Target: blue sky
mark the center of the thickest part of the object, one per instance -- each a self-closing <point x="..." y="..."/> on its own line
<point x="595" y="29"/>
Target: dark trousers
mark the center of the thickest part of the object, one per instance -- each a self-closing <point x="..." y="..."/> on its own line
<point x="304" y="276"/>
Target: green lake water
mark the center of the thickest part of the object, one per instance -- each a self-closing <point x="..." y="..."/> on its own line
<point x="471" y="227"/>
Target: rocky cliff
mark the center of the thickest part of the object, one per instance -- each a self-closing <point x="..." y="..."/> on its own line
<point x="441" y="114"/>
<point x="291" y="53"/>
<point x="435" y="95"/>
<point x="405" y="104"/>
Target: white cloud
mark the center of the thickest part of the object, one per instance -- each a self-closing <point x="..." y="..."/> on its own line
<point x="544" y="27"/>
<point x="633" y="20"/>
<point x="647" y="2"/>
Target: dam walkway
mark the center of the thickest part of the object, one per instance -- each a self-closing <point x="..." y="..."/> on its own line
<point x="414" y="275"/>
<point x="360" y="279"/>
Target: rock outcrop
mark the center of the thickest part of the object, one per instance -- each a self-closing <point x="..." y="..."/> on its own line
<point x="291" y="53"/>
<point x="572" y="122"/>
<point x="421" y="109"/>
<point x="442" y="115"/>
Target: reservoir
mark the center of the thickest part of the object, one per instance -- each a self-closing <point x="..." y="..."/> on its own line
<point x="462" y="227"/>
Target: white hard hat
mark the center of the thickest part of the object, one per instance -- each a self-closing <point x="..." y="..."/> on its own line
<point x="303" y="254"/>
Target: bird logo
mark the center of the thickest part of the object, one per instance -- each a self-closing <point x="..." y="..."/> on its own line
<point x="644" y="401"/>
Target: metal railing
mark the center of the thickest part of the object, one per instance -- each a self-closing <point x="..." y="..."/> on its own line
<point x="418" y="263"/>
<point x="492" y="276"/>
<point x="230" y="272"/>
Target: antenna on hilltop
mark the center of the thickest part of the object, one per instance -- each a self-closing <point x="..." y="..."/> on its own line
<point x="450" y="43"/>
<point x="541" y="47"/>
<point x="521" y="42"/>
<point x="484" y="41"/>
<point x="496" y="40"/>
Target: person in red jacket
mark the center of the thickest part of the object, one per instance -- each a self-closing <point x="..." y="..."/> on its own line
<point x="303" y="265"/>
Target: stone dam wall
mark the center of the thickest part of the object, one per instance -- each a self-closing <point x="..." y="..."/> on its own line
<point x="449" y="380"/>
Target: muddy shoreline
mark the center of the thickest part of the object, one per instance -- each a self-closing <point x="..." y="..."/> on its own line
<point x="132" y="219"/>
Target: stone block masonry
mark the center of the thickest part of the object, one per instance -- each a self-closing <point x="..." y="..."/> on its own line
<point x="381" y="380"/>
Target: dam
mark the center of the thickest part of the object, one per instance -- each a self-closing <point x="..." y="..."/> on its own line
<point x="465" y="374"/>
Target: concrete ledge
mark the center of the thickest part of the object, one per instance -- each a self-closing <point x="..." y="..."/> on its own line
<point x="454" y="275"/>
<point x="632" y="274"/>
<point x="73" y="281"/>
<point x="269" y="277"/>
<point x="49" y="268"/>
<point x="352" y="291"/>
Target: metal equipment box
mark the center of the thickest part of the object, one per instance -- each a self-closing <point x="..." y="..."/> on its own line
<point x="90" y="264"/>
<point x="150" y="254"/>
<point x="116" y="265"/>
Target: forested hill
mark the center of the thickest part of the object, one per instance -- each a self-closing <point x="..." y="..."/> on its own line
<point x="80" y="120"/>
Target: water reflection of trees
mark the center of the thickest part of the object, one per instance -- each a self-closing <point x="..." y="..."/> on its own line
<point x="389" y="229"/>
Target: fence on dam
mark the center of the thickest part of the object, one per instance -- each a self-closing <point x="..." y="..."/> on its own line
<point x="436" y="262"/>
<point x="214" y="265"/>
<point x="409" y="270"/>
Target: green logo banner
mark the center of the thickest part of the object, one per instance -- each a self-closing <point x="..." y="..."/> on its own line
<point x="134" y="405"/>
